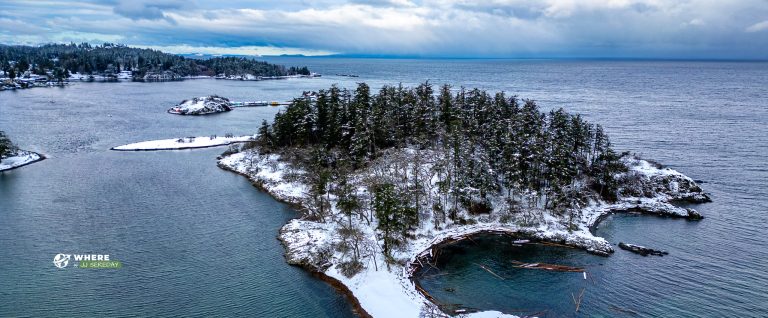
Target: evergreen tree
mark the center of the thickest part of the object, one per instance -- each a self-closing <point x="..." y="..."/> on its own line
<point x="348" y="202"/>
<point x="485" y="143"/>
<point x="394" y="216"/>
<point x="265" y="135"/>
<point x="6" y="146"/>
<point x="360" y="115"/>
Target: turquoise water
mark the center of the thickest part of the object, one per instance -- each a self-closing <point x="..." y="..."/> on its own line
<point x="199" y="241"/>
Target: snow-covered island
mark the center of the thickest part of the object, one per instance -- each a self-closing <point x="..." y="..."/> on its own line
<point x="251" y="77"/>
<point x="19" y="158"/>
<point x="202" y="106"/>
<point x="382" y="183"/>
<point x="11" y="157"/>
<point x="184" y="143"/>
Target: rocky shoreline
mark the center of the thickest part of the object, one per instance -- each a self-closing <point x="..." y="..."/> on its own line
<point x="308" y="243"/>
<point x="335" y="283"/>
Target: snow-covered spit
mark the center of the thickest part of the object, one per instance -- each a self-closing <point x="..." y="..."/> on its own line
<point x="251" y="77"/>
<point x="19" y="158"/>
<point x="184" y="143"/>
<point x="202" y="106"/>
<point x="380" y="289"/>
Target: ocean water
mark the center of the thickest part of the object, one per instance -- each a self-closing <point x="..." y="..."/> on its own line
<point x="199" y="241"/>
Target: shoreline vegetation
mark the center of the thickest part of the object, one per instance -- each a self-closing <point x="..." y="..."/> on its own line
<point x="383" y="179"/>
<point x="11" y="157"/>
<point x="24" y="67"/>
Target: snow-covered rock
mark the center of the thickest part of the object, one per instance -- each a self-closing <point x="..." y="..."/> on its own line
<point x="202" y="106"/>
<point x="18" y="159"/>
<point x="651" y="180"/>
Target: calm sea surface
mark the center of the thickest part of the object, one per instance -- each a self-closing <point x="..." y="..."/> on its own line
<point x="199" y="241"/>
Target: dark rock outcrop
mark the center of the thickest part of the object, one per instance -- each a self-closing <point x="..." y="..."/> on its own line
<point x="642" y="250"/>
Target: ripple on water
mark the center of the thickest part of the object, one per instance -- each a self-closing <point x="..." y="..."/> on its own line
<point x="706" y="119"/>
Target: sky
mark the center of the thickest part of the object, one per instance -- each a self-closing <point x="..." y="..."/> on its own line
<point x="682" y="29"/>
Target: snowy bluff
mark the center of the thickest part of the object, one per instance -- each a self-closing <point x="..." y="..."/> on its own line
<point x="383" y="179"/>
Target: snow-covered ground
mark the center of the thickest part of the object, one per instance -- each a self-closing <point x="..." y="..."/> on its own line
<point x="88" y="77"/>
<point x="183" y="143"/>
<point x="386" y="290"/>
<point x="20" y="158"/>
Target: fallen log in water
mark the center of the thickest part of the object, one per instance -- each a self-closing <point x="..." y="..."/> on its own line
<point x="552" y="244"/>
<point x="642" y="250"/>
<point x="490" y="271"/>
<point x="577" y="300"/>
<point x="549" y="267"/>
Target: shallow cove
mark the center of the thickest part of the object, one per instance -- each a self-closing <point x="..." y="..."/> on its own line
<point x="623" y="284"/>
<point x="479" y="274"/>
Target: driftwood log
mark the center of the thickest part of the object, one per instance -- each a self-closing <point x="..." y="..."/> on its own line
<point x="549" y="267"/>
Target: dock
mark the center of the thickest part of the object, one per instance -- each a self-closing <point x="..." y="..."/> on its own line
<point x="258" y="104"/>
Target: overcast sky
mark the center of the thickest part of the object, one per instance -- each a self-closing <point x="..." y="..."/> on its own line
<point x="719" y="29"/>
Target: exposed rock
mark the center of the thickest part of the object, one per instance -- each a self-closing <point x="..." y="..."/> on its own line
<point x="657" y="207"/>
<point x="642" y="250"/>
<point x="306" y="244"/>
<point x="647" y="180"/>
<point x="202" y="106"/>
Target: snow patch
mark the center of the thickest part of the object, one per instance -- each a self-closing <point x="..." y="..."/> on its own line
<point x="184" y="143"/>
<point x="18" y="159"/>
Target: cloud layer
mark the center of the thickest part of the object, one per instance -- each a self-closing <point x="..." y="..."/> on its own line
<point x="453" y="28"/>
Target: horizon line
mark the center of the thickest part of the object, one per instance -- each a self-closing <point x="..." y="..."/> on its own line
<point x="436" y="57"/>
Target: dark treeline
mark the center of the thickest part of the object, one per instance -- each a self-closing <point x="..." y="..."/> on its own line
<point x="498" y="142"/>
<point x="112" y="58"/>
<point x="480" y="147"/>
<point x="6" y="146"/>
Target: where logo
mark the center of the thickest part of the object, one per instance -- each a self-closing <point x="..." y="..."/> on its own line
<point x="61" y="260"/>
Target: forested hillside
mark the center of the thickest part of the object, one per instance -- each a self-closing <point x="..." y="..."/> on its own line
<point x="112" y="58"/>
<point x="441" y="155"/>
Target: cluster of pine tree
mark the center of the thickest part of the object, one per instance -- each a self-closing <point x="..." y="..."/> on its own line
<point x="6" y="146"/>
<point x="485" y="146"/>
<point x="112" y="58"/>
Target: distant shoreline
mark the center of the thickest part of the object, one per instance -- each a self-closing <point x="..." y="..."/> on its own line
<point x="5" y="85"/>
